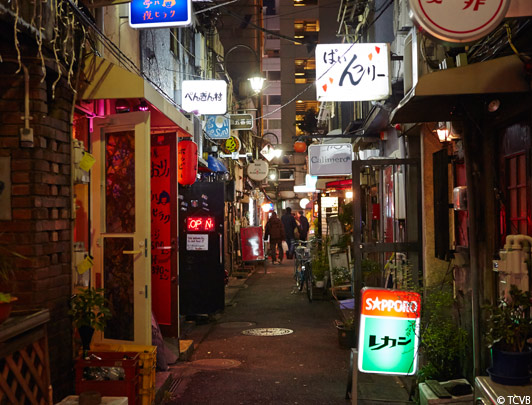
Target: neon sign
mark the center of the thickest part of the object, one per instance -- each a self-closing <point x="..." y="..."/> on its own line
<point x="200" y="224"/>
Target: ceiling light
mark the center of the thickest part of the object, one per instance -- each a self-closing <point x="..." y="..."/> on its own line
<point x="494" y="105"/>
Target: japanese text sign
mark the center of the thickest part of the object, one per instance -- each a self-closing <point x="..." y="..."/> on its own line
<point x="353" y="72"/>
<point x="330" y="159"/>
<point x="389" y="329"/>
<point x="160" y="13"/>
<point x="204" y="96"/>
<point x="217" y="127"/>
<point x="241" y="122"/>
<point x="458" y="20"/>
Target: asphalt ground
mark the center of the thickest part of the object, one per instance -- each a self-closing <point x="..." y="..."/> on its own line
<point x="304" y="366"/>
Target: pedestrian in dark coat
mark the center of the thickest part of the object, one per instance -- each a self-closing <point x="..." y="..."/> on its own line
<point x="290" y="224"/>
<point x="275" y="230"/>
<point x="303" y="226"/>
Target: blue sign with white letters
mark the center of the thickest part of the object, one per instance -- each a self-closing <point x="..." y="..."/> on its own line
<point x="160" y="13"/>
<point x="217" y="127"/>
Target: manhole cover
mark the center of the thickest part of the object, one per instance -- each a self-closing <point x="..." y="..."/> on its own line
<point x="267" y="332"/>
<point x="215" y="363"/>
<point x="236" y="325"/>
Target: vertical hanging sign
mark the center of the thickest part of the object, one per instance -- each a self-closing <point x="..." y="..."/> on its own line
<point x="389" y="329"/>
<point x="161" y="232"/>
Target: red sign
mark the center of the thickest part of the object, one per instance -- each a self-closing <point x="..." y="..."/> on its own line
<point x="391" y="303"/>
<point x="161" y="232"/>
<point x="252" y="245"/>
<point x="200" y="224"/>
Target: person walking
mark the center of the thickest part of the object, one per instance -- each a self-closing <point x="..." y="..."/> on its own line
<point x="290" y="224"/>
<point x="275" y="231"/>
<point x="303" y="226"/>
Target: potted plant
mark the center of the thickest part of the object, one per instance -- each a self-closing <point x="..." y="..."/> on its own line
<point x="346" y="333"/>
<point x="508" y="327"/>
<point x="89" y="313"/>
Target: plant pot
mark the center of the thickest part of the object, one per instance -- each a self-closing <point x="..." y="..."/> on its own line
<point x="85" y="333"/>
<point x="5" y="309"/>
<point x="346" y="335"/>
<point x="510" y="368"/>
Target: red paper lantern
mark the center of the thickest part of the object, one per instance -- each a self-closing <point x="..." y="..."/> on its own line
<point x="300" y="146"/>
<point x="187" y="162"/>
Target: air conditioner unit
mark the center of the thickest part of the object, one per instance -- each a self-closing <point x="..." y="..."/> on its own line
<point x="402" y="20"/>
<point x="198" y="135"/>
<point x="421" y="56"/>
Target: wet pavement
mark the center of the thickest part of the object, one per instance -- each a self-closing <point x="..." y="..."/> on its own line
<point x="271" y="346"/>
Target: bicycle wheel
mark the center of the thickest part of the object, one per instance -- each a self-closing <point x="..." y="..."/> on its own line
<point x="297" y="272"/>
<point x="308" y="282"/>
<point x="302" y="274"/>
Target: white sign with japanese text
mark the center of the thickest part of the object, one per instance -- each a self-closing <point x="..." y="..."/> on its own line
<point x="204" y="96"/>
<point x="353" y="72"/>
<point x="197" y="241"/>
<point x="330" y="159"/>
<point x="458" y="20"/>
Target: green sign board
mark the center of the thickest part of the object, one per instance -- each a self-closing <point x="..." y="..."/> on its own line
<point x="388" y="336"/>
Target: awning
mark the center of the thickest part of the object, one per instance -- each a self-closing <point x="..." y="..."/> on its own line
<point x="105" y="80"/>
<point x="441" y="95"/>
<point x="216" y="165"/>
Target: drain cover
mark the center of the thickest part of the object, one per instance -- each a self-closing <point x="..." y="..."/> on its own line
<point x="236" y="325"/>
<point x="267" y="332"/>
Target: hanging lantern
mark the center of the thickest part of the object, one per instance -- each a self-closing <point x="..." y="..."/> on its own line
<point x="187" y="162"/>
<point x="300" y="146"/>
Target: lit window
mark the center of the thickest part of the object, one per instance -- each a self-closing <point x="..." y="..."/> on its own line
<point x="305" y="70"/>
<point x="306" y="30"/>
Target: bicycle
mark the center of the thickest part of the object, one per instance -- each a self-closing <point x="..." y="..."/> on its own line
<point x="303" y="268"/>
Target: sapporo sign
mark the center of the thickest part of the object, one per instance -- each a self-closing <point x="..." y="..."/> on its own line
<point x="353" y="72"/>
<point x="330" y="159"/>
<point x="389" y="329"/>
<point x="458" y="20"/>
<point x="240" y="122"/>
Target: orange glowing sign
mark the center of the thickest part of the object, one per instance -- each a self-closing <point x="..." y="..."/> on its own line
<point x="200" y="224"/>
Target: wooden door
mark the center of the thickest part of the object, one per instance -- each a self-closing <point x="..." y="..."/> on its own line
<point x="120" y="226"/>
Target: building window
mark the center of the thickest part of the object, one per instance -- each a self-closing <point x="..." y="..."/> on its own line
<point x="306" y="31"/>
<point x="306" y="117"/>
<point x="274" y="124"/>
<point x="286" y="175"/>
<point x="274" y="75"/>
<point x="305" y="70"/>
<point x="302" y="3"/>
<point x="174" y="44"/>
<point x="274" y="100"/>
<point x="516" y="195"/>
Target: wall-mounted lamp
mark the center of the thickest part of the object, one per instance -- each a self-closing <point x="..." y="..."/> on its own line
<point x="121" y="106"/>
<point x="143" y="106"/>
<point x="494" y="105"/>
<point x="445" y="132"/>
<point x="272" y="175"/>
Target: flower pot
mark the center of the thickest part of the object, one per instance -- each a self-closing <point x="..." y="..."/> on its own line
<point x="510" y="368"/>
<point x="346" y="335"/>
<point x="85" y="333"/>
<point x="5" y="309"/>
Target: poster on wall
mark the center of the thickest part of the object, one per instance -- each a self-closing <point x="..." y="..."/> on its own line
<point x="197" y="242"/>
<point x="5" y="188"/>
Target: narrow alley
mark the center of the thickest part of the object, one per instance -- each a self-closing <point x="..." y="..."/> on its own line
<point x="305" y="365"/>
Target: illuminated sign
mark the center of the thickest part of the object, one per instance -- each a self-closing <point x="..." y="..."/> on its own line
<point x="160" y="13"/>
<point x="330" y="159"/>
<point x="389" y="331"/>
<point x="458" y="21"/>
<point x="217" y="127"/>
<point x="353" y="72"/>
<point x="204" y="96"/>
<point x="200" y="224"/>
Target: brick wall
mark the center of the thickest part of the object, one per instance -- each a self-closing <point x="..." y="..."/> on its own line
<point x="40" y="228"/>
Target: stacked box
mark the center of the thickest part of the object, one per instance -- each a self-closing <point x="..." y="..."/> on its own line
<point x="147" y="364"/>
<point x="127" y="385"/>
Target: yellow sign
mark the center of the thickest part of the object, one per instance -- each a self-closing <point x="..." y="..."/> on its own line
<point x="231" y="145"/>
<point x="85" y="265"/>
<point x="87" y="161"/>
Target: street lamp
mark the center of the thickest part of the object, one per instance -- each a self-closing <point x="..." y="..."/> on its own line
<point x="256" y="83"/>
<point x="256" y="79"/>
